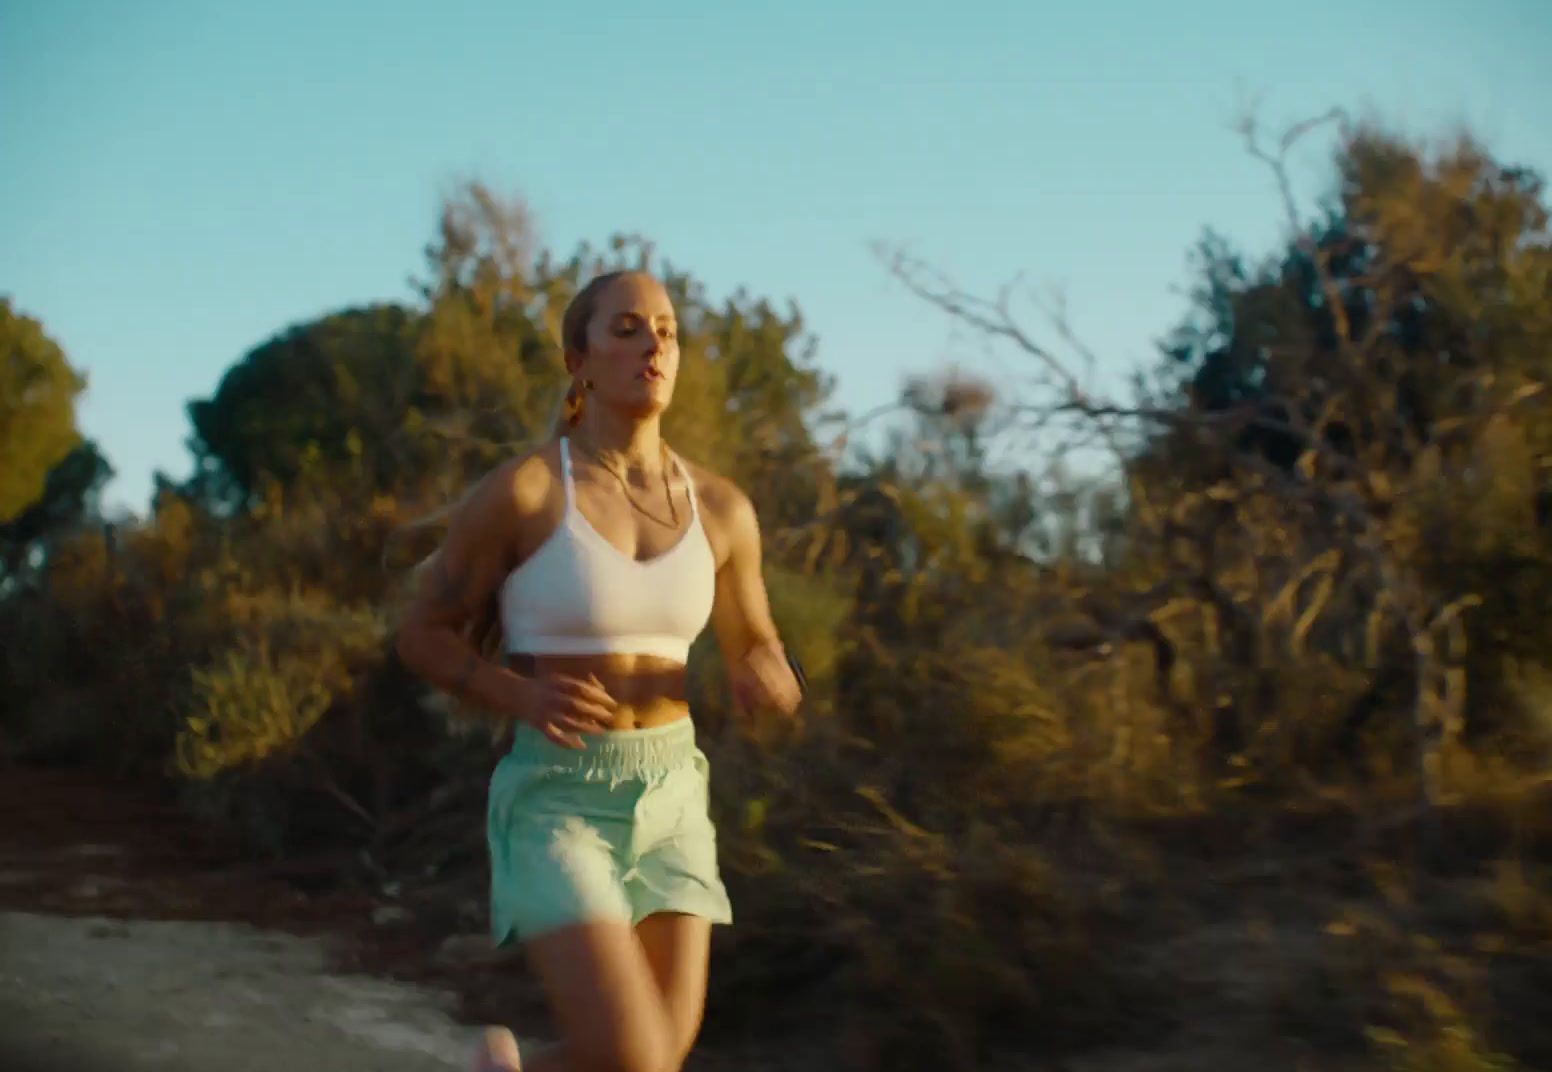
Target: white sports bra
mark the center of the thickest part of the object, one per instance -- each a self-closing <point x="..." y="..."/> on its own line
<point x="578" y="594"/>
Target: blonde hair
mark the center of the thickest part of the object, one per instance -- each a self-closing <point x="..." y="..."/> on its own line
<point x="573" y="338"/>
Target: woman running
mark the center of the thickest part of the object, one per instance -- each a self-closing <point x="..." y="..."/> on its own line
<point x="606" y="554"/>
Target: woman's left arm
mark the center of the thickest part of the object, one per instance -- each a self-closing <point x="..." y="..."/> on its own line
<point x="757" y="666"/>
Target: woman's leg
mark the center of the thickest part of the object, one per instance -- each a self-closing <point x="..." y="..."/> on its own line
<point x="678" y="947"/>
<point x="605" y="1002"/>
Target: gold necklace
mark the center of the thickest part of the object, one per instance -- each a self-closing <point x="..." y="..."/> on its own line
<point x="673" y="511"/>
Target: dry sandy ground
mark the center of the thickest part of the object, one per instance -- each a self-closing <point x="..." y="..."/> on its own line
<point x="131" y="940"/>
<point x="97" y="993"/>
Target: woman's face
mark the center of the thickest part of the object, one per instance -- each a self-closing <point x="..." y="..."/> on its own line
<point x="632" y="356"/>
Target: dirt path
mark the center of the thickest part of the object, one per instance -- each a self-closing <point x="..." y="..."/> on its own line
<point x="93" y="992"/>
<point x="131" y="939"/>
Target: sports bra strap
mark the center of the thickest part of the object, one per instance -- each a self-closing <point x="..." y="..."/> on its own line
<point x="565" y="471"/>
<point x="689" y="486"/>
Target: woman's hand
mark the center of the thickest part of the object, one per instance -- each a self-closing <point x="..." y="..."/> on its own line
<point x="764" y="680"/>
<point x="563" y="707"/>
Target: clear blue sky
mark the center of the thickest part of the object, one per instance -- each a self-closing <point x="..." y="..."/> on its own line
<point x="181" y="181"/>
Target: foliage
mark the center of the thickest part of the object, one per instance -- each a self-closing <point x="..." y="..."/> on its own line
<point x="334" y="391"/>
<point x="253" y="700"/>
<point x="38" y="389"/>
<point x="69" y="500"/>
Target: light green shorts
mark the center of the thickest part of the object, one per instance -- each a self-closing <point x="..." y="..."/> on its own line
<point x="619" y="830"/>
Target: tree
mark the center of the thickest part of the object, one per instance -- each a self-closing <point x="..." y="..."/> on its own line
<point x="333" y="391"/>
<point x="1402" y="343"/>
<point x="488" y="351"/>
<point x="491" y="351"/>
<point x="69" y="497"/>
<point x="422" y="400"/>
<point x="38" y="389"/>
<point x="1378" y="322"/>
<point x="1302" y="474"/>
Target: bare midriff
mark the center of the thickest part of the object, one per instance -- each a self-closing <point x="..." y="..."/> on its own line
<point x="649" y="689"/>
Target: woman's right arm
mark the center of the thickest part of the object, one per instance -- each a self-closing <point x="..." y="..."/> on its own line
<point x="459" y="581"/>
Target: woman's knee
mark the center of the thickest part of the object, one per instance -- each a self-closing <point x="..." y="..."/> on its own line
<point x="685" y="1028"/>
<point x="637" y="1047"/>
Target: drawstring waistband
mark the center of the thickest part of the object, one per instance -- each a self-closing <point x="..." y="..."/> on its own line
<point x="616" y="752"/>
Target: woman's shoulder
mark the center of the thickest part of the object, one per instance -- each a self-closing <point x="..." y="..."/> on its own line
<point x="720" y="495"/>
<point x="520" y="487"/>
<point x="535" y="475"/>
